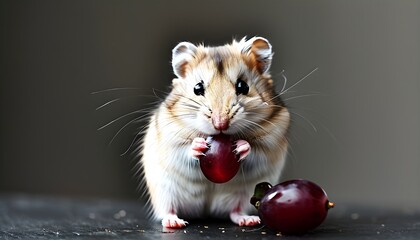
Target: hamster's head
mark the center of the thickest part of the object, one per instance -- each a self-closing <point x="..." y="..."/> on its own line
<point x="225" y="89"/>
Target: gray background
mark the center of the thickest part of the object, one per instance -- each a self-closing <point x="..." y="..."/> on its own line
<point x="357" y="134"/>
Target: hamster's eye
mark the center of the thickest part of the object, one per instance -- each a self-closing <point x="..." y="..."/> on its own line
<point x="199" y="88"/>
<point x="241" y="87"/>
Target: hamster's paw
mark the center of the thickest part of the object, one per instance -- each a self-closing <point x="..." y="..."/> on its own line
<point x="244" y="220"/>
<point x="198" y="146"/>
<point x="172" y="221"/>
<point x="242" y="148"/>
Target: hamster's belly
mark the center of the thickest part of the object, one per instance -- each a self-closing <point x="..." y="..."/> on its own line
<point x="198" y="197"/>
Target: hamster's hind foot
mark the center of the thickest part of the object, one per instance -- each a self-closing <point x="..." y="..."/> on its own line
<point x="244" y="220"/>
<point x="172" y="221"/>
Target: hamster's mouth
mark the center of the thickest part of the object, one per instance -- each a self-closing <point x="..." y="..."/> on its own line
<point x="206" y="136"/>
<point x="209" y="130"/>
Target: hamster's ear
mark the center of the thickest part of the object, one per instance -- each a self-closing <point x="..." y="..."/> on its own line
<point x="260" y="52"/>
<point x="182" y="54"/>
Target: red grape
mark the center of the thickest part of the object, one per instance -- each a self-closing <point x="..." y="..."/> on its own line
<point x="291" y="207"/>
<point x="220" y="163"/>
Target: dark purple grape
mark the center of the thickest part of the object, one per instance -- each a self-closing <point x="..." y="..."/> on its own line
<point x="291" y="207"/>
<point x="220" y="164"/>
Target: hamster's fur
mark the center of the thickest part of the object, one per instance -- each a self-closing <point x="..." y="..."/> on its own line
<point x="207" y="99"/>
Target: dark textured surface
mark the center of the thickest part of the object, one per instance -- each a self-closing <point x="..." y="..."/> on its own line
<point x="38" y="217"/>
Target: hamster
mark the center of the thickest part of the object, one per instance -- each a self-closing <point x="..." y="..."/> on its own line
<point x="225" y="89"/>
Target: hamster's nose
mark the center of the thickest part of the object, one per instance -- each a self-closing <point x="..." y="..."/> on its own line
<point x="220" y="121"/>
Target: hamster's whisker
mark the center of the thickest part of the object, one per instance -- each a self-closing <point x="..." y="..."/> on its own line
<point x="285" y="91"/>
<point x="133" y="141"/>
<point x="296" y="83"/>
<point x="285" y="80"/>
<point x="279" y="95"/>
<point x="277" y="106"/>
<point x="199" y="104"/>
<point x="247" y="100"/>
<point x="124" y="98"/>
<point x="263" y="119"/>
<point x="250" y="128"/>
<point x="293" y="97"/>
<point x="115" y="89"/>
<point x="302" y="96"/>
<point x="184" y="115"/>
<point x="121" y="117"/>
<point x="140" y="118"/>
<point x="242" y="127"/>
<point x="190" y="106"/>
<point x="262" y="108"/>
<point x="168" y="120"/>
<point x="107" y="103"/>
<point x="188" y="98"/>
<point x="254" y="124"/>
<point x="306" y="120"/>
<point x="127" y="97"/>
<point x="158" y="90"/>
